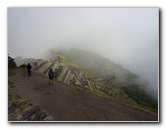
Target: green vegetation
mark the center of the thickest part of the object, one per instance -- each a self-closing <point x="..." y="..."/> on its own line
<point x="63" y="79"/>
<point x="11" y="71"/>
<point x="95" y="89"/>
<point x="68" y="62"/>
<point x="89" y="73"/>
<point x="140" y="96"/>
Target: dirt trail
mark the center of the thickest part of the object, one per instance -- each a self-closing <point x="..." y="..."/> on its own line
<point x="66" y="103"/>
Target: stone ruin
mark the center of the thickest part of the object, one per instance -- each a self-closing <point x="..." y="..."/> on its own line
<point x="65" y="74"/>
<point x="20" y="109"/>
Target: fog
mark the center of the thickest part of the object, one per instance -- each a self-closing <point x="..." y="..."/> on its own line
<point x="127" y="36"/>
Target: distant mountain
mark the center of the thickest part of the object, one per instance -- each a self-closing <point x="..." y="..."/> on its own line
<point x="98" y="74"/>
<point x="102" y="66"/>
<point x="109" y="76"/>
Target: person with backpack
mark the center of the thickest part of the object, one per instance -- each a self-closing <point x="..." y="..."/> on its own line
<point x="51" y="76"/>
<point x="29" y="69"/>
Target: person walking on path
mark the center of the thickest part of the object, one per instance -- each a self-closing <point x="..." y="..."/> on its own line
<point x="51" y="76"/>
<point x="29" y="69"/>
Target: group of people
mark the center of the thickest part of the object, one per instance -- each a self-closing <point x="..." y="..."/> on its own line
<point x="50" y="73"/>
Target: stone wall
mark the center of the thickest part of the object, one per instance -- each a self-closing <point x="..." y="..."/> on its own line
<point x="66" y="74"/>
<point x="20" y="109"/>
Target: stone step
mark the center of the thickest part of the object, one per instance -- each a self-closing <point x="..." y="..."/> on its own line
<point x="67" y="77"/>
<point x="44" y="67"/>
<point x="62" y="74"/>
<point x="20" y="109"/>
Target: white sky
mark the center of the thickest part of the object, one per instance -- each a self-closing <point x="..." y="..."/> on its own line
<point x="127" y="36"/>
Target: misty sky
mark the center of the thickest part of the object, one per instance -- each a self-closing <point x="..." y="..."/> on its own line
<point x="127" y="36"/>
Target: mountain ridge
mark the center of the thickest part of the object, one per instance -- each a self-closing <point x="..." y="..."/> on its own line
<point x="90" y="70"/>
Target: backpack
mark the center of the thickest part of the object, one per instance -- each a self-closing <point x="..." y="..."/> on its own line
<point x="29" y="67"/>
<point x="51" y="74"/>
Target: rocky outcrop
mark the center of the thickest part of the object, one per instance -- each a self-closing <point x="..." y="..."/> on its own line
<point x="20" y="109"/>
<point x="65" y="74"/>
<point x="71" y="75"/>
<point x="78" y="78"/>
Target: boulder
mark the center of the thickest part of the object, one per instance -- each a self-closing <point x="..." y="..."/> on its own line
<point x="49" y="118"/>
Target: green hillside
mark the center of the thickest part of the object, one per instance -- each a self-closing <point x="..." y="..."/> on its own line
<point x="110" y="78"/>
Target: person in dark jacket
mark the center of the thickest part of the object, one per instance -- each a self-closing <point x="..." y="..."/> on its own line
<point x="29" y="69"/>
<point x="51" y="76"/>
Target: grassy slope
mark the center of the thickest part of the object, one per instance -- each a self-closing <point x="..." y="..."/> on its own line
<point x="140" y="96"/>
<point x="119" y="91"/>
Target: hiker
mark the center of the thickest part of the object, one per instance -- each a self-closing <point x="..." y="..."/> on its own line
<point x="29" y="69"/>
<point x="51" y="76"/>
